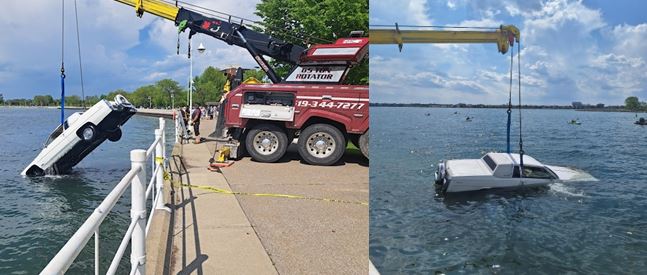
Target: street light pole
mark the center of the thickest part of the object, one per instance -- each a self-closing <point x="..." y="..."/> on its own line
<point x="150" y="103"/>
<point x="172" y="101"/>
<point x="190" y="95"/>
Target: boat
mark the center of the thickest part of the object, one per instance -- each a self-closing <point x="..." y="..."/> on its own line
<point x="79" y="135"/>
<point x="494" y="170"/>
<point x="575" y="122"/>
<point x="641" y="121"/>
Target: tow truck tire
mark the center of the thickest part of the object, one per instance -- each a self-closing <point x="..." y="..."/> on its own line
<point x="321" y="144"/>
<point x="363" y="143"/>
<point x="266" y="143"/>
<point x="115" y="135"/>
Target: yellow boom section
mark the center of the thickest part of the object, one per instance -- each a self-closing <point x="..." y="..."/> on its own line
<point x="155" y="7"/>
<point x="503" y="37"/>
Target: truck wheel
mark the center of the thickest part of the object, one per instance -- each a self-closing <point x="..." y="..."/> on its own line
<point x="321" y="144"/>
<point x="363" y="144"/>
<point x="88" y="132"/>
<point x="266" y="143"/>
<point x="115" y="135"/>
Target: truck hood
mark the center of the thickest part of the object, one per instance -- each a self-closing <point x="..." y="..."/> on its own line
<point x="566" y="174"/>
<point x="467" y="167"/>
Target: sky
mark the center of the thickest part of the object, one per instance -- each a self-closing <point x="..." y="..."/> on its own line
<point x="119" y="50"/>
<point x="589" y="51"/>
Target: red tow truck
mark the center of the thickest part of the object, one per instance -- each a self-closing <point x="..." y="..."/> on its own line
<point x="311" y="104"/>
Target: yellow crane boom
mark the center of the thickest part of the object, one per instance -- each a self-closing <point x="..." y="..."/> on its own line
<point x="504" y="37"/>
<point x="155" y="7"/>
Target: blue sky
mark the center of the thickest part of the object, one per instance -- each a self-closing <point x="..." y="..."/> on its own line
<point x="590" y="51"/>
<point x="119" y="49"/>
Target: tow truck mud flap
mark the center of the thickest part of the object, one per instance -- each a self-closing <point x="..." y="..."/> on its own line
<point x="566" y="174"/>
<point x="220" y="122"/>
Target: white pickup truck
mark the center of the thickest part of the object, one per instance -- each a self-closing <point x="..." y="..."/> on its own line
<point x="498" y="170"/>
<point x="81" y="133"/>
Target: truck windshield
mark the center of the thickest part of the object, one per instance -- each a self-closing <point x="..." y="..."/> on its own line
<point x="489" y="162"/>
<point x="57" y="132"/>
<point x="536" y="172"/>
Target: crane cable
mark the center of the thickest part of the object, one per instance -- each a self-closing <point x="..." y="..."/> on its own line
<point x="78" y="44"/>
<point x="509" y="111"/>
<point x="521" y="152"/>
<point x="62" y="62"/>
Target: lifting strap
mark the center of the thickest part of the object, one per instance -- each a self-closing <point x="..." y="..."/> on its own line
<point x="62" y="62"/>
<point x="509" y="111"/>
<point x="520" y="138"/>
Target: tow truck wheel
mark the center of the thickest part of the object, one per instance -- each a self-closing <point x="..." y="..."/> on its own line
<point x="115" y="135"/>
<point x="321" y="144"/>
<point x="266" y="143"/>
<point x="363" y="143"/>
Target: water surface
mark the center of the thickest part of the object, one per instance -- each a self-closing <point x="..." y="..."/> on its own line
<point x="38" y="215"/>
<point x="580" y="227"/>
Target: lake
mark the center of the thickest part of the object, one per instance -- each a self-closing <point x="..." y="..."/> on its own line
<point x="579" y="227"/>
<point x="38" y="215"/>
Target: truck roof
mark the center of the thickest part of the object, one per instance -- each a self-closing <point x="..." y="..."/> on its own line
<point x="513" y="158"/>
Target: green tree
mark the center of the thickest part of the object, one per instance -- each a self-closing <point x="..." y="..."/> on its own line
<point x="1" y="99"/>
<point x="170" y="89"/>
<point x="91" y="100"/>
<point x="255" y="73"/>
<point x="73" y="100"/>
<point x="632" y="103"/>
<point x="208" y="86"/>
<point x="43" y="100"/>
<point x="305" y="22"/>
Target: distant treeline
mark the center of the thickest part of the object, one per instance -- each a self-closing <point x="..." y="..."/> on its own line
<point x="632" y="104"/>
<point x="207" y="87"/>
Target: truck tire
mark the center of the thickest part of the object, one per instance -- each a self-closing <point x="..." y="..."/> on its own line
<point x="363" y="143"/>
<point x="87" y="133"/>
<point x="115" y="135"/>
<point x="266" y="143"/>
<point x="321" y="144"/>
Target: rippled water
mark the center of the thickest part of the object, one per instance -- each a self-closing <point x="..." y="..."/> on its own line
<point x="38" y="215"/>
<point x="580" y="227"/>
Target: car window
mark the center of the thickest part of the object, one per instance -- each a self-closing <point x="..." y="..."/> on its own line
<point x="57" y="132"/>
<point x="536" y="172"/>
<point x="489" y="162"/>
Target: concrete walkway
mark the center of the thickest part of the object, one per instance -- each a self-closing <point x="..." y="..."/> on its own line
<point x="242" y="234"/>
<point x="212" y="234"/>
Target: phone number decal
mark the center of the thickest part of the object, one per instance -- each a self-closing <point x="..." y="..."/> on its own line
<point x="330" y="104"/>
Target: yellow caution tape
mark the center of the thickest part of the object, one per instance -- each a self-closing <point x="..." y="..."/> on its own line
<point x="159" y="160"/>
<point x="227" y="192"/>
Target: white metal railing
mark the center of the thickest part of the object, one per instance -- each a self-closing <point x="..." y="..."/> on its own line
<point x="139" y="224"/>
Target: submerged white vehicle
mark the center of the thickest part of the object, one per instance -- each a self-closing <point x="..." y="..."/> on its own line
<point x="79" y="135"/>
<point x="499" y="170"/>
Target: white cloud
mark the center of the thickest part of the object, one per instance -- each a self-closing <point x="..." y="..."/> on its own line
<point x="110" y="36"/>
<point x="412" y="12"/>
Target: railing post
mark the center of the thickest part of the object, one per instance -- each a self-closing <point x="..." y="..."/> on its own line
<point x="159" y="177"/>
<point x="138" y="211"/>
<point x="97" y="259"/>
<point x="163" y="128"/>
<point x="176" y="117"/>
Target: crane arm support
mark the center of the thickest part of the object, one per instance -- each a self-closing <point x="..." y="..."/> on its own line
<point x="154" y="7"/>
<point x="239" y="35"/>
<point x="504" y="37"/>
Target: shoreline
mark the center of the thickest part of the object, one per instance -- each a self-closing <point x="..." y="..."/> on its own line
<point x="482" y="106"/>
